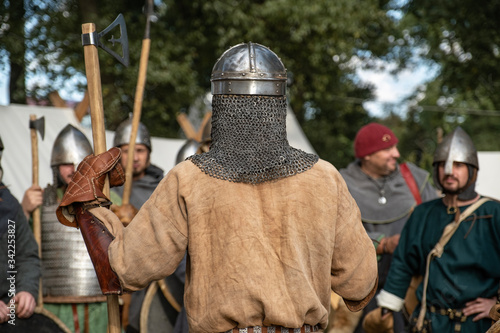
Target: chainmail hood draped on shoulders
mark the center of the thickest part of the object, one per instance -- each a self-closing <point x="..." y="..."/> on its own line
<point x="249" y="142"/>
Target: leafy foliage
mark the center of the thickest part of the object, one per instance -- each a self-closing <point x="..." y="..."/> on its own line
<point x="462" y="38"/>
<point x="321" y="43"/>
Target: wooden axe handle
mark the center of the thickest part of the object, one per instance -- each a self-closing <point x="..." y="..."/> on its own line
<point x="93" y="73"/>
<point x="37" y="226"/>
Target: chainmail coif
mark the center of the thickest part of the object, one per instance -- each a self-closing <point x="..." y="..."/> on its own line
<point x="249" y="142"/>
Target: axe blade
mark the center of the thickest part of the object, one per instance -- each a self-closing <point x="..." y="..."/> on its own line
<point x="39" y="125"/>
<point x="123" y="40"/>
<point x="96" y="39"/>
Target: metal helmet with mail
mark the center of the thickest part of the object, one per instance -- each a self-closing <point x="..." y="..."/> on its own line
<point x="249" y="69"/>
<point x="457" y="146"/>
<point x="70" y="147"/>
<point x="249" y="107"/>
<point x="122" y="134"/>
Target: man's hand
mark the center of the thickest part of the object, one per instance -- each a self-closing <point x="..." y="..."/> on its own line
<point x="480" y="306"/>
<point x="376" y="322"/>
<point x="4" y="312"/>
<point x="124" y="212"/>
<point x="388" y="244"/>
<point x="392" y="243"/>
<point x="32" y="199"/>
<point x="25" y="304"/>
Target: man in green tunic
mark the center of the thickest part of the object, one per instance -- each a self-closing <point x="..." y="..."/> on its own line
<point x="462" y="281"/>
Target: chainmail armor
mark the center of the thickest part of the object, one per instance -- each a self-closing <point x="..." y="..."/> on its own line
<point x="249" y="142"/>
<point x="50" y="192"/>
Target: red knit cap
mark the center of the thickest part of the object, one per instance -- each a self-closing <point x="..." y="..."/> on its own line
<point x="372" y="138"/>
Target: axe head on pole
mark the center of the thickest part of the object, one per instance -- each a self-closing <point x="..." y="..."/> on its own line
<point x="38" y="125"/>
<point x="98" y="40"/>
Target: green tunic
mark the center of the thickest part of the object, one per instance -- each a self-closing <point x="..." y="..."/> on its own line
<point x="469" y="267"/>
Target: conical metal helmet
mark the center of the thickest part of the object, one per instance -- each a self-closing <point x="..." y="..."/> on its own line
<point x="190" y="147"/>
<point x="249" y="69"/>
<point x="457" y="146"/>
<point x="122" y="134"/>
<point x="71" y="147"/>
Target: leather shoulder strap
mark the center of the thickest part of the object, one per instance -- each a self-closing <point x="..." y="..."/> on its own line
<point x="410" y="181"/>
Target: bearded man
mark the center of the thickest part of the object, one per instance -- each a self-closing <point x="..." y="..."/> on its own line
<point x="386" y="193"/>
<point x="453" y="243"/>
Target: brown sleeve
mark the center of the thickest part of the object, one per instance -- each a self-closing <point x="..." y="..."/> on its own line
<point x="359" y="305"/>
<point x="354" y="262"/>
<point x="154" y="243"/>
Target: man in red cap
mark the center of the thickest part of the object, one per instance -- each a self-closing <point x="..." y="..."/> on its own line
<point x="385" y="191"/>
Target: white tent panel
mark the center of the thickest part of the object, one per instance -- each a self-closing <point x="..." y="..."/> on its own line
<point x="15" y="134"/>
<point x="488" y="178"/>
<point x="16" y="137"/>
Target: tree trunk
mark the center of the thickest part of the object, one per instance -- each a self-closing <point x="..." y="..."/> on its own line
<point x="17" y="49"/>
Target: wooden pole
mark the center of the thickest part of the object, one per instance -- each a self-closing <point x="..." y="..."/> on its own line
<point x="139" y="94"/>
<point x="136" y="118"/>
<point x="93" y="73"/>
<point x="37" y="226"/>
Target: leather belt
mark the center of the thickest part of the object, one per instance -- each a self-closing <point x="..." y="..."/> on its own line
<point x="275" y="329"/>
<point x="453" y="314"/>
<point x="456" y="316"/>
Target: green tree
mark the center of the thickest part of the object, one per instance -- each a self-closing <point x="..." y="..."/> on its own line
<point x="12" y="47"/>
<point x="321" y="43"/>
<point x="462" y="39"/>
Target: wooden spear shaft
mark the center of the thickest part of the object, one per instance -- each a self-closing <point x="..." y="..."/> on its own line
<point x="37" y="226"/>
<point x="136" y="118"/>
<point x="99" y="137"/>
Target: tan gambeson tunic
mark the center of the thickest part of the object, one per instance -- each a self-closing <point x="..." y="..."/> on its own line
<point x="259" y="255"/>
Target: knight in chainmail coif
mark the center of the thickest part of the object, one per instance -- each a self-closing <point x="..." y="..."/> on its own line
<point x="269" y="230"/>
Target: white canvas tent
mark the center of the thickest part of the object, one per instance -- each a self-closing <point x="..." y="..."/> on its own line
<point x="488" y="179"/>
<point x="15" y="133"/>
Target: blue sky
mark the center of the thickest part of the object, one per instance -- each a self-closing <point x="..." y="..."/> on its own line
<point x="392" y="89"/>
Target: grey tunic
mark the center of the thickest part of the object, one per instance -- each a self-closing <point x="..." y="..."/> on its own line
<point x="27" y="262"/>
<point x="142" y="188"/>
<point x="389" y="219"/>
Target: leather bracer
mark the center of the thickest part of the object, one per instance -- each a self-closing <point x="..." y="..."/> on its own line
<point x="97" y="239"/>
